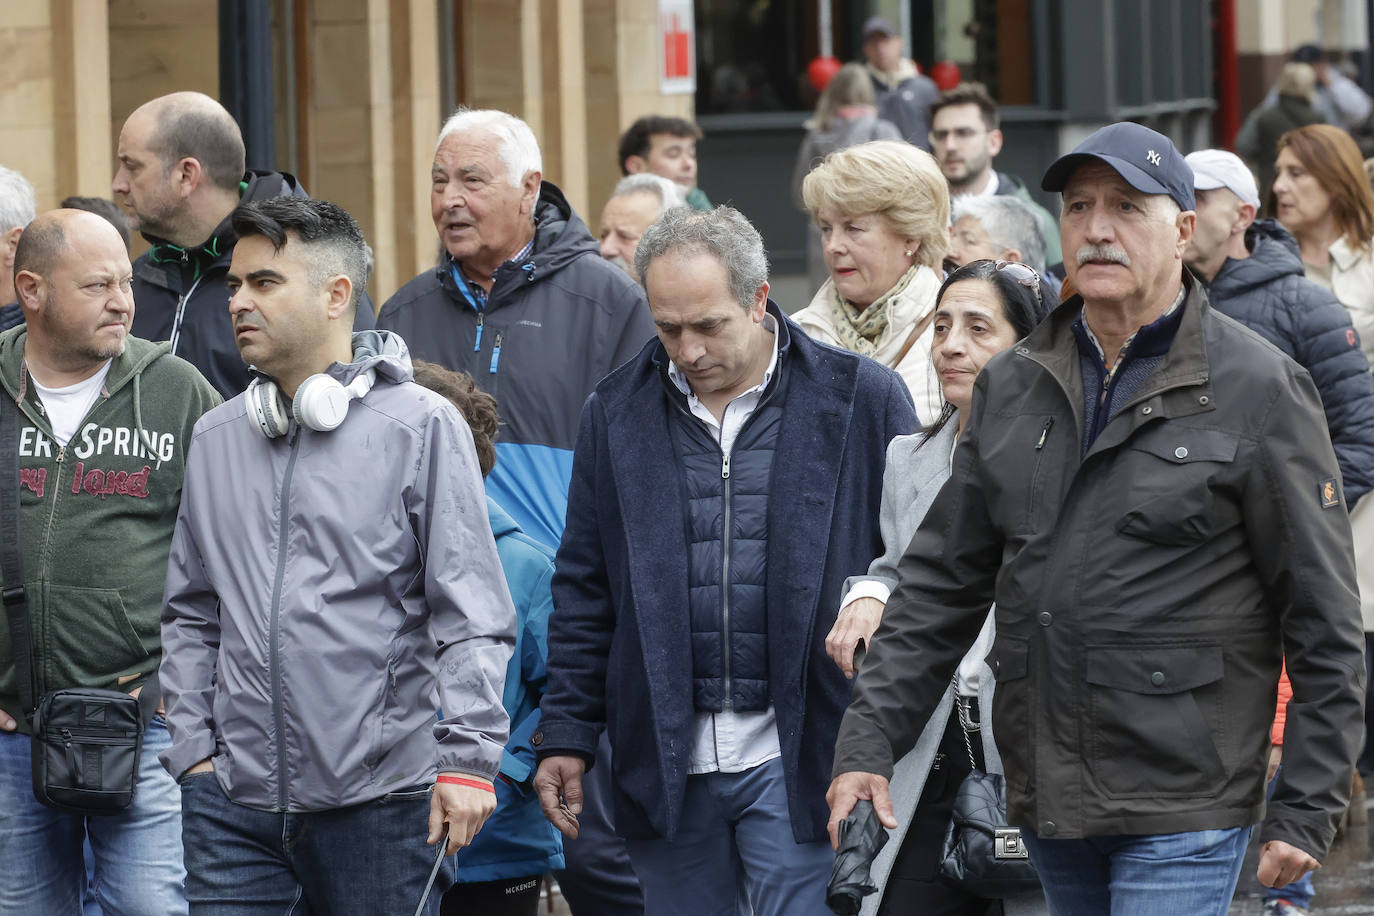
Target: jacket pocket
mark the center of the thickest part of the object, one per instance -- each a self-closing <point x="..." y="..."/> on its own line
<point x="89" y="638"/>
<point x="1011" y="716"/>
<point x="1156" y="720"/>
<point x="1175" y="475"/>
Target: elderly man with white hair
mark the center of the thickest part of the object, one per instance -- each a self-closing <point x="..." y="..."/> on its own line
<point x="523" y="301"/>
<point x="17" y="209"/>
<point x="1002" y="228"/>
<point x="636" y="204"/>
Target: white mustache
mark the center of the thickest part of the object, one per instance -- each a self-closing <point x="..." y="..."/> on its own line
<point x="1102" y="253"/>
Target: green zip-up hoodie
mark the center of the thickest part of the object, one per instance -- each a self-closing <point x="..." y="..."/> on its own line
<point x="96" y="518"/>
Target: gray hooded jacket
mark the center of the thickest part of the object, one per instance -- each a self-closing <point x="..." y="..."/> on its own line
<point x="320" y="608"/>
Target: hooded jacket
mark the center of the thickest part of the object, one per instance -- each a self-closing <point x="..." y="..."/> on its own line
<point x="1146" y="593"/>
<point x="307" y="635"/>
<point x="517" y="841"/>
<point x="181" y="295"/>
<point x="1268" y="293"/>
<point x="96" y="518"/>
<point x="553" y="326"/>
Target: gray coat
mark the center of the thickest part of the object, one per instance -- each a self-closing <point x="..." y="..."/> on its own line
<point x="319" y="607"/>
<point x="914" y="474"/>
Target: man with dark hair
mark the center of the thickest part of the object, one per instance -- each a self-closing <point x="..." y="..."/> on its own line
<point x="181" y="173"/>
<point x="902" y="93"/>
<point x="668" y="147"/>
<point x="305" y="648"/>
<point x="104" y="423"/>
<point x="965" y="138"/>
<point x="726" y="482"/>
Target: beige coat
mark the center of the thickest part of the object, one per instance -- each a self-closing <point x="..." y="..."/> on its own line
<point x="903" y="312"/>
<point x="1352" y="280"/>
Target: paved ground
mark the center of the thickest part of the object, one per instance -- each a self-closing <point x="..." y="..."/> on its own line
<point x="1345" y="885"/>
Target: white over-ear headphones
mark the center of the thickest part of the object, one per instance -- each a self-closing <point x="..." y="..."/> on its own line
<point x="321" y="402"/>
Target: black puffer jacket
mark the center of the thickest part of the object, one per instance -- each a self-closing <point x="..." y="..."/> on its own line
<point x="1268" y="293"/>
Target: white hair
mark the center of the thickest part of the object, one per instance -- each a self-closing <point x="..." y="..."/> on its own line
<point x="1008" y="222"/>
<point x="667" y="192"/>
<point x="17" y="204"/>
<point x="515" y="143"/>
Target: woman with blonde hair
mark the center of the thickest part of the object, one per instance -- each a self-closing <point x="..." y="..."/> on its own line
<point x="883" y="213"/>
<point x="1322" y="196"/>
<point x="845" y="115"/>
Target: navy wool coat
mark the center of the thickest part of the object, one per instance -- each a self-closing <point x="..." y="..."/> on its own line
<point x="620" y="640"/>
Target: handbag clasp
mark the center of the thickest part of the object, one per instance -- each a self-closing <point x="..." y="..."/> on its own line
<point x="1007" y="843"/>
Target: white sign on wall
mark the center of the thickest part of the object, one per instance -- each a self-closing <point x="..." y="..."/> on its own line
<point x="677" y="53"/>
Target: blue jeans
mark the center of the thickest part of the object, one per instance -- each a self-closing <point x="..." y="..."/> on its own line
<point x="1301" y="891"/>
<point x="136" y="854"/>
<point x="735" y="837"/>
<point x="1169" y="874"/>
<point x="356" y="861"/>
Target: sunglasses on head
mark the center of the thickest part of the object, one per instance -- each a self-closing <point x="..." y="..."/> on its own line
<point x="1022" y="275"/>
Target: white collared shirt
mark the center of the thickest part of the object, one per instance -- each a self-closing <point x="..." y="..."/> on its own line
<point x="731" y="742"/>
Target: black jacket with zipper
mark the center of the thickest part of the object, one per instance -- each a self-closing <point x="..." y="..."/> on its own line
<point x="1146" y="592"/>
<point x="180" y="295"/>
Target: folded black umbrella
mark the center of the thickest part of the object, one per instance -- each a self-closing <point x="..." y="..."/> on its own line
<point x="861" y="836"/>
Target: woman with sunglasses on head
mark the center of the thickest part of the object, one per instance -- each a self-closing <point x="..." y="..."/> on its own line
<point x="1322" y="196"/>
<point x="883" y="250"/>
<point x="981" y="309"/>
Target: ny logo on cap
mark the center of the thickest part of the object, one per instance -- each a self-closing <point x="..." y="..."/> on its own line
<point x="1153" y="157"/>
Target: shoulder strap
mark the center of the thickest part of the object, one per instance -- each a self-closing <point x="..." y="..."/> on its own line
<point x="11" y="565"/>
<point x="917" y="330"/>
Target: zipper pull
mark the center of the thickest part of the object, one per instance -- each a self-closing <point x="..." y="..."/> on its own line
<point x="496" y="353"/>
<point x="1044" y="433"/>
<point x="477" y="344"/>
<point x="60" y="453"/>
<point x="725" y="467"/>
<point x="72" y="762"/>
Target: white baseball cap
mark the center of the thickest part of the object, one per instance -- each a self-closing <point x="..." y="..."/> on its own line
<point x="1217" y="168"/>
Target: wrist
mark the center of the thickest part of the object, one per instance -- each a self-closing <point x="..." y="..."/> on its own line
<point x="460" y="779"/>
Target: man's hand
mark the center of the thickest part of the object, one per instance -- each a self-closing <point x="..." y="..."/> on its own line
<point x="205" y="766"/>
<point x="7" y="722"/>
<point x="559" y="785"/>
<point x="464" y="808"/>
<point x="849" y="788"/>
<point x="858" y="620"/>
<point x="1275" y="758"/>
<point x="1281" y="864"/>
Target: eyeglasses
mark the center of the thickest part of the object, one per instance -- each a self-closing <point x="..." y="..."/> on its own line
<point x="1024" y="276"/>
<point x="959" y="133"/>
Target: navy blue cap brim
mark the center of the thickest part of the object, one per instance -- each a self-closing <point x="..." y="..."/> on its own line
<point x="1061" y="170"/>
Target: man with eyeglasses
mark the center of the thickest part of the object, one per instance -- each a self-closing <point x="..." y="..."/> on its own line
<point x="965" y="138"/>
<point x="1148" y="493"/>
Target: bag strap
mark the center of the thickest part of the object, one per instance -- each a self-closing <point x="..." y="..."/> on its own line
<point x="11" y="564"/>
<point x="916" y="331"/>
<point x="433" y="873"/>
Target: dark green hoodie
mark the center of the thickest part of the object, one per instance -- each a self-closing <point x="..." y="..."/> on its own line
<point x="96" y="518"/>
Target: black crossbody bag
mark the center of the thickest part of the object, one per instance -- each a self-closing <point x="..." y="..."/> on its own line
<point x="86" y="741"/>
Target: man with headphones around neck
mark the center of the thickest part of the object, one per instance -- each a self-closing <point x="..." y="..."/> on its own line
<point x="315" y="606"/>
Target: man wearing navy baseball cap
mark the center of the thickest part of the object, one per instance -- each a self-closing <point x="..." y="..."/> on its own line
<point x="1148" y="494"/>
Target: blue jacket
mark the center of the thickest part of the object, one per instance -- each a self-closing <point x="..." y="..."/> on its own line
<point x="1268" y="293"/>
<point x="518" y="841"/>
<point x="552" y="328"/>
<point x="620" y="642"/>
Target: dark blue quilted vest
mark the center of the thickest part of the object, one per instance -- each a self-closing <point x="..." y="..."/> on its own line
<point x="727" y="543"/>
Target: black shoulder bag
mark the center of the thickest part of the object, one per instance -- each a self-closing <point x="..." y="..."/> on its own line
<point x="86" y="741"/>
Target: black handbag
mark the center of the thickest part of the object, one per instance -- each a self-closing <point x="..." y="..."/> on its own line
<point x="86" y="741"/>
<point x="981" y="853"/>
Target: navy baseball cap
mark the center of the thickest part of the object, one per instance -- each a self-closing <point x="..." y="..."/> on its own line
<point x="1146" y="159"/>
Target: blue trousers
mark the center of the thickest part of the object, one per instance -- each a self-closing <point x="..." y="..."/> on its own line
<point x="357" y="861"/>
<point x="735" y="835"/>
<point x="136" y="855"/>
<point x="1170" y="874"/>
